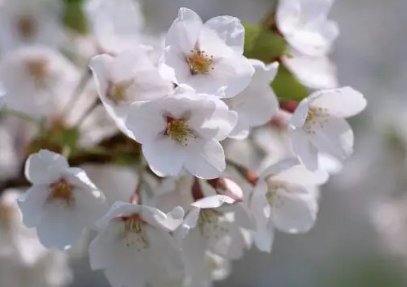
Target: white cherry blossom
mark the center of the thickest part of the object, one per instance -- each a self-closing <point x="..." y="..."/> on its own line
<point x="285" y="197"/>
<point x="25" y="22"/>
<point x="130" y="77"/>
<point x="183" y="131"/>
<point x="214" y="224"/>
<point x="116" y="24"/>
<point x="39" y="81"/>
<point x="134" y="243"/>
<point x="62" y="201"/>
<point x="207" y="56"/>
<point x="318" y="125"/>
<point x="257" y="104"/>
<point x="305" y="26"/>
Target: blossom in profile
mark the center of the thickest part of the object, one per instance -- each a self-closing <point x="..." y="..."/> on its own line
<point x="285" y="198"/>
<point x="257" y="104"/>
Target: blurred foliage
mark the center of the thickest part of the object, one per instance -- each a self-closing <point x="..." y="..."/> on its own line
<point x="263" y="44"/>
<point x="268" y="46"/>
<point x="287" y="87"/>
<point x="74" y="16"/>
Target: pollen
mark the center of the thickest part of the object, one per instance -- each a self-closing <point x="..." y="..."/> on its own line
<point x="118" y="92"/>
<point x="38" y="69"/>
<point x="274" y="190"/>
<point x="61" y="191"/>
<point x="316" y="119"/>
<point x="27" y="26"/>
<point x="179" y="131"/>
<point x="199" y="62"/>
<point x="210" y="224"/>
<point x="133" y="234"/>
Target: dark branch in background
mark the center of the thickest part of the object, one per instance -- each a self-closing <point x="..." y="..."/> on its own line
<point x="108" y="151"/>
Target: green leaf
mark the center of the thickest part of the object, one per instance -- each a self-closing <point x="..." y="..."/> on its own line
<point x="263" y="44"/>
<point x="74" y="16"/>
<point x="287" y="87"/>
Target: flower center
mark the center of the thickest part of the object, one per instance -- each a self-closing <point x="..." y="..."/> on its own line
<point x="134" y="234"/>
<point x="38" y="69"/>
<point x="274" y="190"/>
<point x="27" y="26"/>
<point x="179" y="131"/>
<point x="316" y="119"/>
<point x="199" y="62"/>
<point x="209" y="223"/>
<point x="61" y="190"/>
<point x="117" y="92"/>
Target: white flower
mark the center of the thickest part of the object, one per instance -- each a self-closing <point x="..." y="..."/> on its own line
<point x="207" y="57"/>
<point x="318" y="125"/>
<point x="39" y="81"/>
<point x="183" y="131"/>
<point x="313" y="72"/>
<point x="130" y="77"/>
<point x="305" y="26"/>
<point x="134" y="243"/>
<point x="62" y="201"/>
<point x="24" y="22"/>
<point x="23" y="260"/>
<point x="116" y="24"/>
<point x="257" y="104"/>
<point x="285" y="198"/>
<point x="214" y="224"/>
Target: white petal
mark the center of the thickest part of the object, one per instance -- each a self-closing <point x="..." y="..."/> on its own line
<point x="302" y="176"/>
<point x="229" y="30"/>
<point x="236" y="71"/>
<point x="220" y="123"/>
<point x="295" y="213"/>
<point x="100" y="66"/>
<point x="264" y="237"/>
<point x="184" y="32"/>
<point x="60" y="226"/>
<point x="304" y="149"/>
<point x="44" y="166"/>
<point x="335" y="137"/>
<point x="313" y="72"/>
<point x="214" y="201"/>
<point x="341" y="103"/>
<point x="31" y="204"/>
<point x="165" y="156"/>
<point x="205" y="159"/>
<point x="194" y="247"/>
<point x="297" y="120"/>
<point x="103" y="248"/>
<point x="145" y="121"/>
<point x="116" y="210"/>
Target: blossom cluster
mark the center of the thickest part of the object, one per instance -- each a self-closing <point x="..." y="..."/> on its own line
<point x="178" y="154"/>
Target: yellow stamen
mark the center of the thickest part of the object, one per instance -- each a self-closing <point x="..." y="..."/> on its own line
<point x="179" y="131"/>
<point x="61" y="190"/>
<point x="199" y="62"/>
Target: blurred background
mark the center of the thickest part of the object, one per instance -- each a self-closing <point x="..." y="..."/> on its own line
<point x="360" y="239"/>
